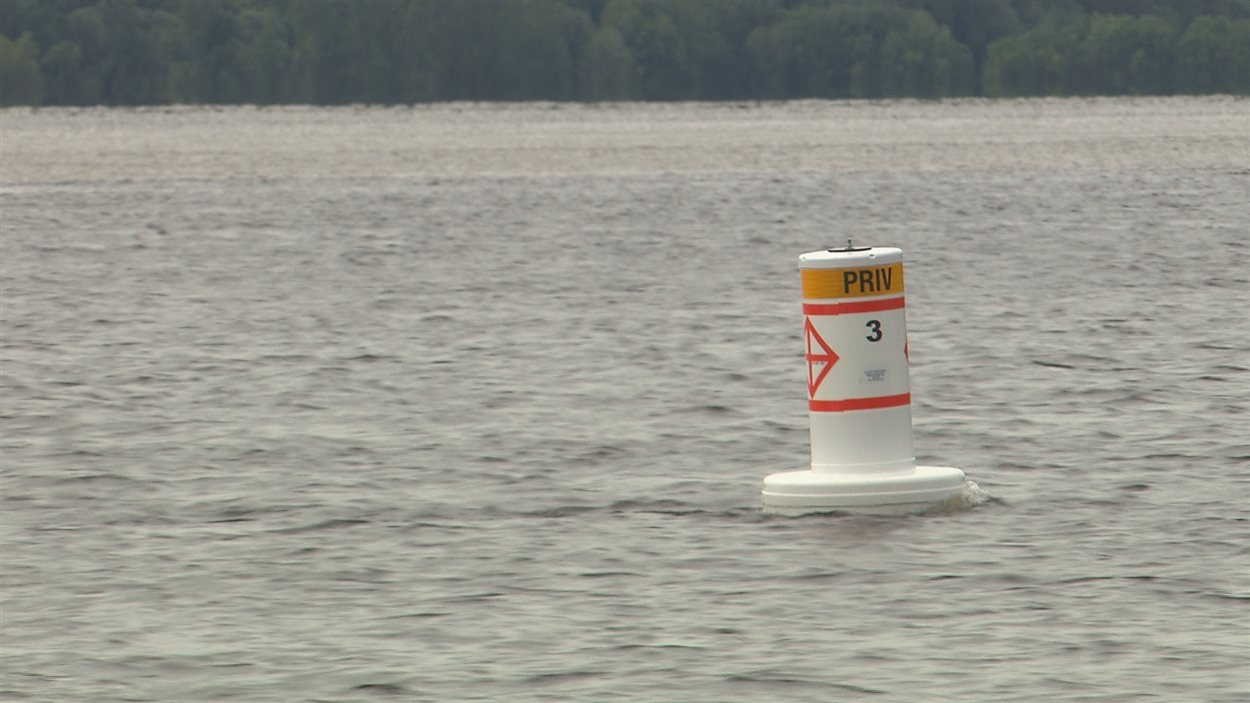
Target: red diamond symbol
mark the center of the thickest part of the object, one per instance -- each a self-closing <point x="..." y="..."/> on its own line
<point x="815" y="345"/>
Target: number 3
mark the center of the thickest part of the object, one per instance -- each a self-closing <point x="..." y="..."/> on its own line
<point x="875" y="326"/>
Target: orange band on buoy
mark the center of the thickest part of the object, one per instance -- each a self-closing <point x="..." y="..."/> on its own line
<point x="852" y="282"/>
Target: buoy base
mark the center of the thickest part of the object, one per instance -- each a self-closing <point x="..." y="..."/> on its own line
<point x="925" y="488"/>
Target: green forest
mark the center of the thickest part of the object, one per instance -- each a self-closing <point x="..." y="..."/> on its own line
<point x="149" y="52"/>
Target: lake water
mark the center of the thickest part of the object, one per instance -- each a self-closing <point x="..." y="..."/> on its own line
<point x="473" y="402"/>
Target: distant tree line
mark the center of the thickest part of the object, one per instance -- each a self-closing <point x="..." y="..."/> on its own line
<point x="142" y="52"/>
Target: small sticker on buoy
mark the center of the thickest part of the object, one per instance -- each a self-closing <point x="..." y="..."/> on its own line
<point x="874" y="375"/>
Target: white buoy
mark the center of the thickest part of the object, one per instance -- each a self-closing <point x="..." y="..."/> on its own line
<point x="859" y="396"/>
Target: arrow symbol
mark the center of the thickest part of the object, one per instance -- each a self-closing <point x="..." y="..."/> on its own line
<point x="818" y="352"/>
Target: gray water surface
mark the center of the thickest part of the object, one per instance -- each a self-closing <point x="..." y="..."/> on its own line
<point x="473" y="402"/>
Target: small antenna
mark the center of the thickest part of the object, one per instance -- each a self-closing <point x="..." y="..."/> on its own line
<point x="850" y="246"/>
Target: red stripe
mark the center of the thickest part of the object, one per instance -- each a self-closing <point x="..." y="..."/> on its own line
<point x="852" y="307"/>
<point x="837" y="406"/>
